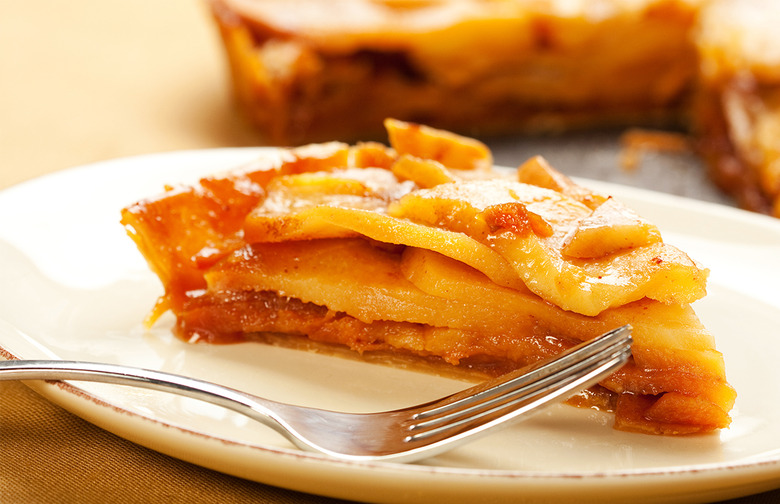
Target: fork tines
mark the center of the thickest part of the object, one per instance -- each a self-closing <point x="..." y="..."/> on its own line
<point x="519" y="392"/>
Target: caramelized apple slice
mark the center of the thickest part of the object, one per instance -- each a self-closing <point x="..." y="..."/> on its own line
<point x="325" y="221"/>
<point x="451" y="150"/>
<point x="609" y="229"/>
<point x="323" y="272"/>
<point x="423" y="172"/>
<point x="538" y="172"/>
<point x="586" y="286"/>
<point x="299" y="207"/>
<point x="371" y="155"/>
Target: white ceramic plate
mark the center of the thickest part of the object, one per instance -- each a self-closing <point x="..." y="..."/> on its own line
<point x="74" y="287"/>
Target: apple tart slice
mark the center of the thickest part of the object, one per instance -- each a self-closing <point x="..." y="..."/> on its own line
<point x="422" y="253"/>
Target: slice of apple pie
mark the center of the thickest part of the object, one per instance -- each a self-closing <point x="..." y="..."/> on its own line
<point x="424" y="253"/>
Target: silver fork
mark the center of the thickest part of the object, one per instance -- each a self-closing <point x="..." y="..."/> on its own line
<point x="402" y="435"/>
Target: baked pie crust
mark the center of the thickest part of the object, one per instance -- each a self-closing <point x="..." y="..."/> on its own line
<point x="423" y="253"/>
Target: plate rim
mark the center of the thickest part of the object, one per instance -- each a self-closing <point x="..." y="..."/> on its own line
<point x="706" y="469"/>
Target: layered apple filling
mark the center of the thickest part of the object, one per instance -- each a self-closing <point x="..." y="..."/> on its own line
<point x="423" y="251"/>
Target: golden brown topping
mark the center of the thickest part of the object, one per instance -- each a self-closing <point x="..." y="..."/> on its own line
<point x="423" y="172"/>
<point x="449" y="149"/>
<point x="372" y="155"/>
<point x="537" y="171"/>
<point x="515" y="233"/>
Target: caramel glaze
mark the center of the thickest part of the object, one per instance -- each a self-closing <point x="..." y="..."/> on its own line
<point x="267" y="318"/>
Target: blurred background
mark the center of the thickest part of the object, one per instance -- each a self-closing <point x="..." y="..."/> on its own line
<point x="89" y="80"/>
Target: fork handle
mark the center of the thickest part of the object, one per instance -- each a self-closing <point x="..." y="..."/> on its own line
<point x="263" y="410"/>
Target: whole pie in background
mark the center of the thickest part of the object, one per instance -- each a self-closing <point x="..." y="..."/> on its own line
<point x="309" y="70"/>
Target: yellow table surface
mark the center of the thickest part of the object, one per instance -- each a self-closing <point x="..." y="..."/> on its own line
<point x="84" y="81"/>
